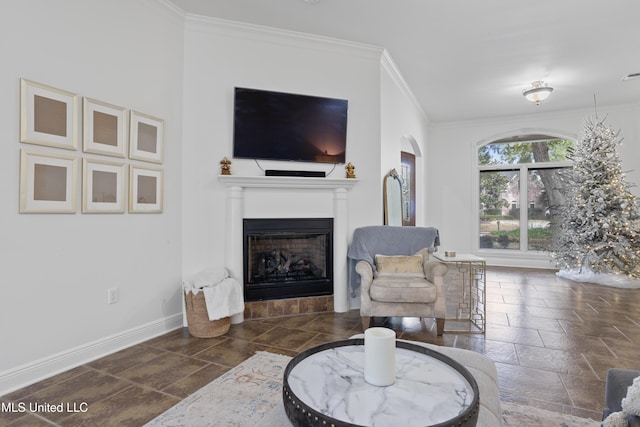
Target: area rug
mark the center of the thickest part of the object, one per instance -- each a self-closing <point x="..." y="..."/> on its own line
<point x="530" y="416"/>
<point x="251" y="395"/>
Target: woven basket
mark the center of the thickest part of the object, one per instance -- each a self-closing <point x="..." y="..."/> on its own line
<point x="198" y="319"/>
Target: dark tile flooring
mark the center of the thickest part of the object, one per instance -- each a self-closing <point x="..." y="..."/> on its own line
<point x="552" y="341"/>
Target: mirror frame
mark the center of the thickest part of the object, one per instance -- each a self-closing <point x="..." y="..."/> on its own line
<point x="392" y="198"/>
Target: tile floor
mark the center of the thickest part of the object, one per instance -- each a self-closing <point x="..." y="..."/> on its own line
<point x="552" y="341"/>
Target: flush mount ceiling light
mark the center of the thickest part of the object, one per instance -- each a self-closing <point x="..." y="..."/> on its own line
<point x="538" y="92"/>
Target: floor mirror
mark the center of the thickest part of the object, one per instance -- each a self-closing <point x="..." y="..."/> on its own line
<point x="392" y="196"/>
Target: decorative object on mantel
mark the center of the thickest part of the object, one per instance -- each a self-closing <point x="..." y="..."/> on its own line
<point x="450" y="254"/>
<point x="225" y="168"/>
<point x="350" y="168"/>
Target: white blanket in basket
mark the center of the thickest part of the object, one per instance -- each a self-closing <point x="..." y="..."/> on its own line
<point x="222" y="294"/>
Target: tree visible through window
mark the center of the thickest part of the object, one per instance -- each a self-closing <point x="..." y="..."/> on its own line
<point x="519" y="191"/>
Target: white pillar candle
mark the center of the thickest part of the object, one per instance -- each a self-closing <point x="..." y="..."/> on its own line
<point x="380" y="356"/>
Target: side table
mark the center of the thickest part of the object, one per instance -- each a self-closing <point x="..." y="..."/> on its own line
<point x="471" y="311"/>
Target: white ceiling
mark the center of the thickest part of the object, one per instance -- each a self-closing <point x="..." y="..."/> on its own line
<point x="471" y="59"/>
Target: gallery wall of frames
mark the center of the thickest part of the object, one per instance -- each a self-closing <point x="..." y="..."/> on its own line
<point x="118" y="146"/>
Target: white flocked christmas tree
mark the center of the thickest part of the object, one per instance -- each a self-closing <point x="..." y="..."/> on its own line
<point x="597" y="235"/>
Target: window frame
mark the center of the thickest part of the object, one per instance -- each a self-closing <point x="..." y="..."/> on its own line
<point x="521" y="256"/>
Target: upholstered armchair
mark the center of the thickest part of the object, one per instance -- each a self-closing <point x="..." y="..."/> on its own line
<point x="396" y="279"/>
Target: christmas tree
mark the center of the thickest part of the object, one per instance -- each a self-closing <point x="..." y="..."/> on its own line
<point x="598" y="228"/>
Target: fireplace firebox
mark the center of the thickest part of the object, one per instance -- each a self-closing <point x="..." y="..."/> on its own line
<point x="287" y="258"/>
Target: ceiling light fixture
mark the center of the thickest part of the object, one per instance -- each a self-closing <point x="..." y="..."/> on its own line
<point x="538" y="92"/>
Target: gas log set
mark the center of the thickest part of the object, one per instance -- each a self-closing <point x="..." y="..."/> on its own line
<point x="280" y="264"/>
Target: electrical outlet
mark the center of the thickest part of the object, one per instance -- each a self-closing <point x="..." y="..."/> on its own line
<point x="113" y="295"/>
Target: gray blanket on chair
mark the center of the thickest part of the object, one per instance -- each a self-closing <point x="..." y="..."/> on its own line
<point x="369" y="241"/>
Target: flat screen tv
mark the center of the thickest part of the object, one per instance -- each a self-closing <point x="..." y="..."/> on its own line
<point x="283" y="126"/>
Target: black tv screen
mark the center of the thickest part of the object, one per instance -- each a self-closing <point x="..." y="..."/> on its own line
<point x="282" y="126"/>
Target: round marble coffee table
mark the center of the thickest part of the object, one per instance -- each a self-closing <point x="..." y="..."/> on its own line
<point x="325" y="386"/>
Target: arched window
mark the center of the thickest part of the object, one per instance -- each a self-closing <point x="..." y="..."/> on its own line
<point x="519" y="191"/>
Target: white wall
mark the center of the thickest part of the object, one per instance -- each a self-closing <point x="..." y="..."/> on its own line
<point x="56" y="268"/>
<point x="221" y="55"/>
<point x="404" y="127"/>
<point x="452" y="172"/>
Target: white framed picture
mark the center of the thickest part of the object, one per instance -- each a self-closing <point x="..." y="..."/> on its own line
<point x="104" y="128"/>
<point x="146" y="137"/>
<point x="47" y="183"/>
<point x="145" y="190"/>
<point x="103" y="186"/>
<point x="48" y="116"/>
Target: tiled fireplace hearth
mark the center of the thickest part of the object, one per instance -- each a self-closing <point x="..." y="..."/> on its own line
<point x="287" y="307"/>
<point x="268" y="197"/>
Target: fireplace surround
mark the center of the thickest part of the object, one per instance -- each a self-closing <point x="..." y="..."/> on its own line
<point x="255" y="196"/>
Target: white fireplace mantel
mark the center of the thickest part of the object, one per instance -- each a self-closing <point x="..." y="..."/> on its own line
<point x="235" y="214"/>
<point x="286" y="182"/>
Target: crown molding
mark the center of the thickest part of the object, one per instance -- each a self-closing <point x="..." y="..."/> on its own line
<point x="172" y="7"/>
<point x="389" y="65"/>
<point x="246" y="31"/>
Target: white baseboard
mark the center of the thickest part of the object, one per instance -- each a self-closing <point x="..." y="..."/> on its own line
<point x="29" y="373"/>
